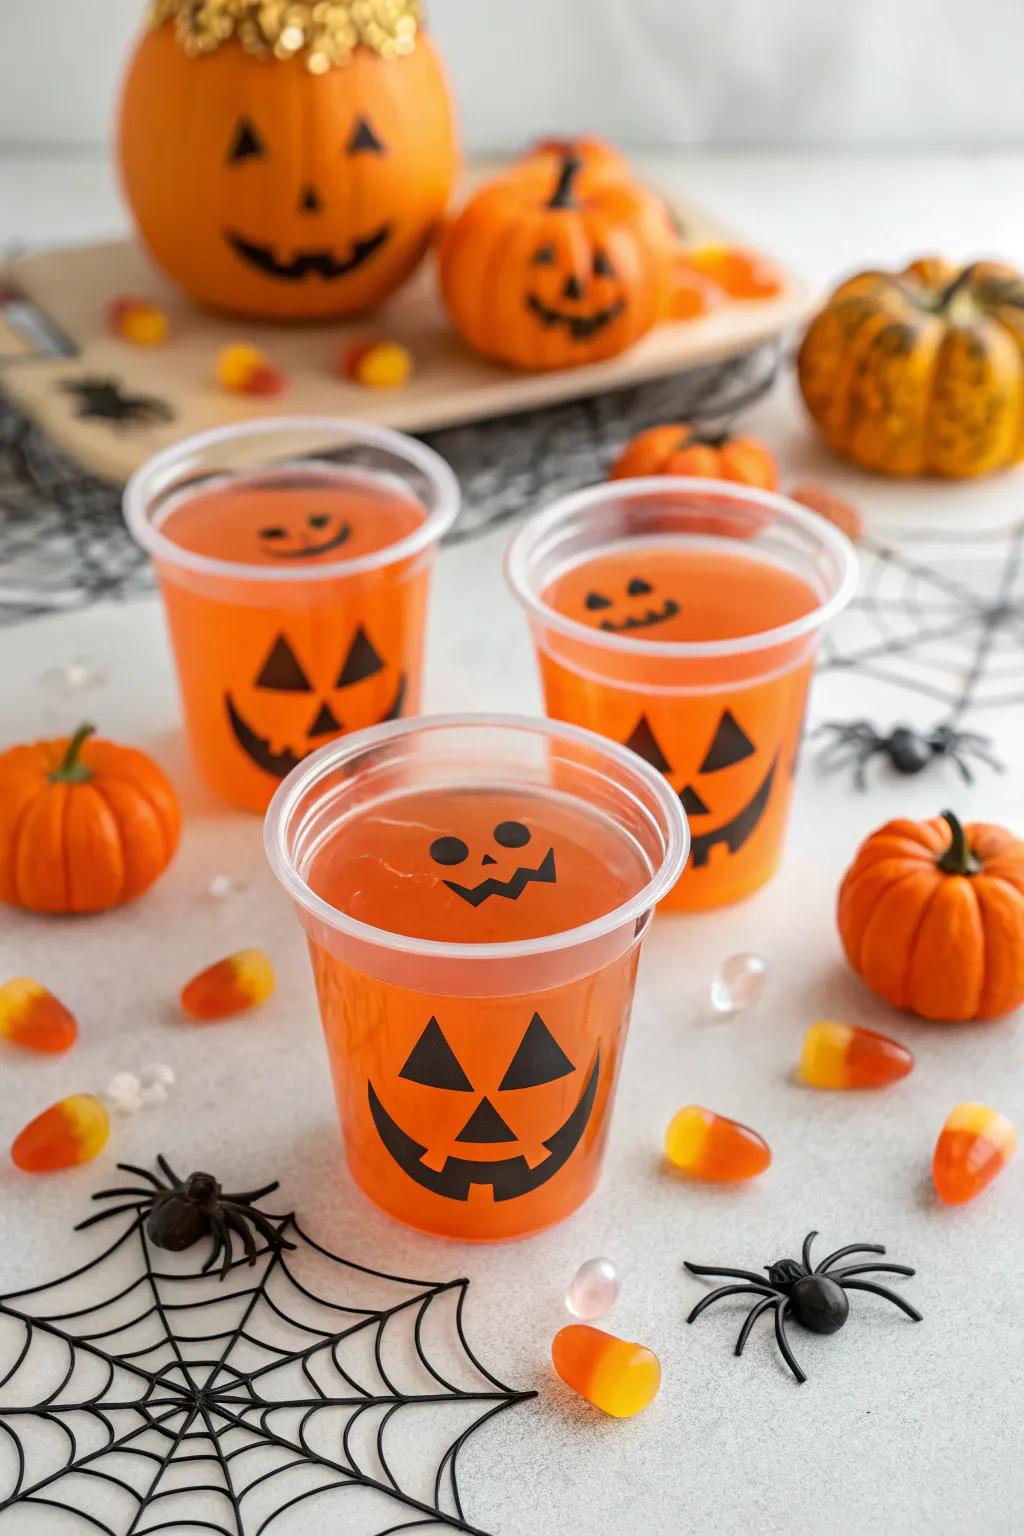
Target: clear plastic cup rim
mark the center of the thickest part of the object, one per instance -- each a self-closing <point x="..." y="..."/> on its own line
<point x="329" y="758"/>
<point x="837" y="544"/>
<point x="439" y="518"/>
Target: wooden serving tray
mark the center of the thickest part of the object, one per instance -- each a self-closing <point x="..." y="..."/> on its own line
<point x="54" y="337"/>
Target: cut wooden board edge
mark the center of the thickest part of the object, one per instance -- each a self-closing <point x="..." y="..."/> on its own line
<point x="452" y="385"/>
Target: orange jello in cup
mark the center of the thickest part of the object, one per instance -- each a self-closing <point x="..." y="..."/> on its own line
<point x="475" y="891"/>
<point x="681" y="618"/>
<point x="294" y="559"/>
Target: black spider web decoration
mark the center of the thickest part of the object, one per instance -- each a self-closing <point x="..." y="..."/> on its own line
<point x="940" y="616"/>
<point x="179" y="1403"/>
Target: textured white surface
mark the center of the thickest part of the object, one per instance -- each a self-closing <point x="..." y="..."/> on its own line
<point x="914" y="1429"/>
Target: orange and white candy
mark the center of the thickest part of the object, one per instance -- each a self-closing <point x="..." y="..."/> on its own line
<point x="846" y="1056"/>
<point x="30" y="1016"/>
<point x="974" y="1145"/>
<point x="713" y="1147"/>
<point x="67" y="1134"/>
<point x="245" y="370"/>
<point x="234" y="985"/>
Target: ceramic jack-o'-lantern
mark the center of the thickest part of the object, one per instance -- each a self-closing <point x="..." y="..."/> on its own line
<point x="286" y="162"/>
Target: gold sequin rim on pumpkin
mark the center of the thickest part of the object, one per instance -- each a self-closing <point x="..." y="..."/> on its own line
<point x="327" y="32"/>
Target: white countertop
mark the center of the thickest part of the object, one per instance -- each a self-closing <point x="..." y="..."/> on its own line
<point x="914" y="1429"/>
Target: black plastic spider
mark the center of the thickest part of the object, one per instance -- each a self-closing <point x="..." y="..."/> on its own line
<point x="184" y="1210"/>
<point x="856" y="742"/>
<point x="817" y="1300"/>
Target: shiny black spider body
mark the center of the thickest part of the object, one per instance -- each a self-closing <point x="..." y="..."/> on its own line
<point x="815" y="1298"/>
<point x="105" y="400"/>
<point x="855" y="742"/>
<point x="182" y="1211"/>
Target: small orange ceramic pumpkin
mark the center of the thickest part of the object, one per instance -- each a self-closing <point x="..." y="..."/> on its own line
<point x="676" y="449"/>
<point x="542" y="274"/>
<point x="931" y="915"/>
<point x="286" y="162"/>
<point x="921" y="371"/>
<point x="84" y="825"/>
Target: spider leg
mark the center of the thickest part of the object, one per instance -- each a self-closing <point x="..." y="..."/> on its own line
<point x="806" y="1251"/>
<point x="236" y="1224"/>
<point x="216" y="1245"/>
<point x="730" y="1290"/>
<point x="229" y="1252"/>
<point x="751" y="1319"/>
<point x="265" y="1228"/>
<point x="251" y="1194"/>
<point x="116" y="1210"/>
<point x="109" y="1194"/>
<point x="860" y="778"/>
<point x="841" y="1253"/>
<point x="142" y="1173"/>
<point x="961" y="762"/>
<point x="783" y="1342"/>
<point x="871" y="1269"/>
<point x="986" y="757"/>
<point x="881" y="1290"/>
<point x="725" y="1274"/>
<point x="168" y="1170"/>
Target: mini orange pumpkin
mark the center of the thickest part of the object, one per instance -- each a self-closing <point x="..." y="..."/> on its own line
<point x="931" y="915"/>
<point x="676" y="449"/>
<point x="600" y="161"/>
<point x="542" y="273"/>
<point x="84" y="824"/>
<point x="921" y="371"/>
<point x="265" y="188"/>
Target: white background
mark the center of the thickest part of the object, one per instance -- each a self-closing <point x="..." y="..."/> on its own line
<point x="650" y="73"/>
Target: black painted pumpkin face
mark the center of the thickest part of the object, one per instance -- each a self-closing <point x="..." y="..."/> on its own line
<point x="362" y="691"/>
<point x="460" y="1128"/>
<point x="638" y="606"/>
<point x="508" y="854"/>
<point x="726" y="793"/>
<point x="305" y="538"/>
<point x="580" y="303"/>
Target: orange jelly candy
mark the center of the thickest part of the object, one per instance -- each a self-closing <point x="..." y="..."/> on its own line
<point x="30" y="1016"/>
<point x="74" y="1131"/>
<point x="845" y="1056"/>
<point x="743" y="274"/>
<point x="379" y="364"/>
<point x="973" y="1146"/>
<point x="619" y="1378"/>
<point x="234" y="985"/>
<point x="139" y="321"/>
<point x="710" y="1146"/>
<point x="245" y="370"/>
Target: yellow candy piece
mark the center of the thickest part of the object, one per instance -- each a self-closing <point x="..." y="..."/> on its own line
<point x="618" y="1377"/>
<point x="74" y="1131"/>
<point x="234" y="985"/>
<point x="380" y="365"/>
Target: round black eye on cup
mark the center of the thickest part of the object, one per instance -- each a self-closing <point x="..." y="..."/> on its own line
<point x="511" y="834"/>
<point x="273" y="533"/>
<point x="448" y="850"/>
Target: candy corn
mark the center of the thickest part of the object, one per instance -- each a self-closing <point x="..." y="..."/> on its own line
<point x="710" y="1146"/>
<point x="845" y="1056"/>
<point x="743" y="274"/>
<point x="619" y="1378"/>
<point x="234" y="985"/>
<point x="379" y="364"/>
<point x="245" y="370"/>
<point x="30" y="1016"/>
<point x="74" y="1131"/>
<point x="137" y="320"/>
<point x="974" y="1145"/>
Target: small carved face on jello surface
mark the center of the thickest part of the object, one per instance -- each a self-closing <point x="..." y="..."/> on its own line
<point x="638" y="606"/>
<point x="500" y="883"/>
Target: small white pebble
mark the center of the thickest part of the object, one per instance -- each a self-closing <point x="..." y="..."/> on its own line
<point x="593" y="1290"/>
<point x="738" y="983"/>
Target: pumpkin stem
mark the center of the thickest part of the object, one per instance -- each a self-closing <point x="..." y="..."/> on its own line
<point x="710" y="439"/>
<point x="958" y="858"/>
<point x="71" y="770"/>
<point x="957" y="286"/>
<point x="564" y="195"/>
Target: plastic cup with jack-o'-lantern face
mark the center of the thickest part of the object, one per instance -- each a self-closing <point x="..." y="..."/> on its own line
<point x="474" y="891"/>
<point x="294" y="559"/>
<point x="681" y="618"/>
